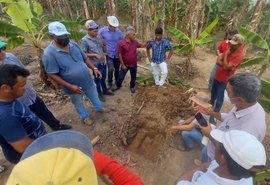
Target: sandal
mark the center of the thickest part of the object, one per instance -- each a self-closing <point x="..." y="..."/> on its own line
<point x="2" y="168"/>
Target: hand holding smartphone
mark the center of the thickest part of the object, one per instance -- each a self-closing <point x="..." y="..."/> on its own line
<point x="199" y="117"/>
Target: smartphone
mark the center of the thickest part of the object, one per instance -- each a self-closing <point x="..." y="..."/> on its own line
<point x="199" y="117"/>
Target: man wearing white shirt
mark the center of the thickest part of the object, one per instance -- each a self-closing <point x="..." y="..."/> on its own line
<point x="238" y="155"/>
<point x="243" y="91"/>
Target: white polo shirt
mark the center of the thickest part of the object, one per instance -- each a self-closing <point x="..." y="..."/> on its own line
<point x="211" y="178"/>
<point x="251" y="120"/>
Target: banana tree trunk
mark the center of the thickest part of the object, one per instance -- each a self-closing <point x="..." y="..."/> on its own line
<point x="134" y="12"/>
<point x="85" y="9"/>
<point x="256" y="16"/>
<point x="111" y="7"/>
<point x="146" y="31"/>
<point x="233" y="19"/>
<point x="192" y="22"/>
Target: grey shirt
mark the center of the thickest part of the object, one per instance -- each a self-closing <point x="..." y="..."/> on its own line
<point x="93" y="45"/>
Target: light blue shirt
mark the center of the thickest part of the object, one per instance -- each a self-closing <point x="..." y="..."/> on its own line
<point x="69" y="65"/>
<point x="111" y="39"/>
<point x="29" y="95"/>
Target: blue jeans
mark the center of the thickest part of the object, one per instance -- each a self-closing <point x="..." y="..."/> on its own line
<point x="204" y="155"/>
<point x="92" y="95"/>
<point x="133" y="73"/>
<point x="101" y="83"/>
<point x="190" y="136"/>
<point x="212" y="76"/>
<point x="113" y="67"/>
<point x="217" y="95"/>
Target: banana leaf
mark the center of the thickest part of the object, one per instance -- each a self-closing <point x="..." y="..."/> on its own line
<point x="9" y="30"/>
<point x="251" y="61"/>
<point x="21" y="14"/>
<point x="253" y="38"/>
<point x="37" y="8"/>
<point x="204" y="41"/>
<point x="260" y="176"/>
<point x="185" y="48"/>
<point x="14" y="42"/>
<point x="207" y="30"/>
<point x="265" y="88"/>
<point x="145" y="78"/>
<point x="265" y="103"/>
<point x="179" y="34"/>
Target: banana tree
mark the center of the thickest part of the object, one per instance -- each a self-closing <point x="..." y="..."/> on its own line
<point x="27" y="23"/>
<point x="187" y="45"/>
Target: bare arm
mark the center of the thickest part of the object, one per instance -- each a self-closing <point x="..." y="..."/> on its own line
<point x="22" y="144"/>
<point x="148" y="54"/>
<point x="122" y="62"/>
<point x="169" y="55"/>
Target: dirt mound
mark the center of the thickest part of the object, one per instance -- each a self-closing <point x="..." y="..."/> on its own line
<point x="154" y="109"/>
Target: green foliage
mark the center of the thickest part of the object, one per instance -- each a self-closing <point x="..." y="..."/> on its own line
<point x="259" y="42"/>
<point x="253" y="37"/>
<point x="189" y="44"/>
<point x="252" y="61"/>
<point x="14" y="42"/>
<point x="8" y="30"/>
<point x="20" y="13"/>
<point x="262" y="175"/>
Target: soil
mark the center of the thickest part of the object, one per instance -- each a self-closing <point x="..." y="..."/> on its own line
<point x="135" y="130"/>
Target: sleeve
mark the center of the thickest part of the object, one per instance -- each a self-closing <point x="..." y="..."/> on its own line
<point x="118" y="174"/>
<point x="84" y="46"/>
<point x="223" y="116"/>
<point x="50" y="64"/>
<point x="168" y="45"/>
<point x="12" y="130"/>
<point x="119" y="47"/>
<point x="149" y="45"/>
<point x="121" y="34"/>
<point x="139" y="45"/>
<point x="84" y="56"/>
<point x="19" y="63"/>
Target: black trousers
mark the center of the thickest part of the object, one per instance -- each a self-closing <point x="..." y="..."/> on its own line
<point x="41" y="110"/>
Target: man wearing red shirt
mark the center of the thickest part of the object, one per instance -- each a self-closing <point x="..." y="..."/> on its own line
<point x="127" y="51"/>
<point x="223" y="46"/>
<point x="227" y="65"/>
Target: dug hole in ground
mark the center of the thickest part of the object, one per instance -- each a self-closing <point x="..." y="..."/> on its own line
<point x="134" y="132"/>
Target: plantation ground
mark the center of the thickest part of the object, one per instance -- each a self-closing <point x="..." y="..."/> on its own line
<point x="134" y="132"/>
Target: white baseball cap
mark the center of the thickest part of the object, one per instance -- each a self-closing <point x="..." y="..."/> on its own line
<point x="113" y="21"/>
<point x="243" y="148"/>
<point x="57" y="28"/>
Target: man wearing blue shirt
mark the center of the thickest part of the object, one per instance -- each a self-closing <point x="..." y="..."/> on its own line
<point x="159" y="60"/>
<point x="30" y="98"/>
<point x="67" y="64"/>
<point x="111" y="35"/>
<point x="18" y="125"/>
